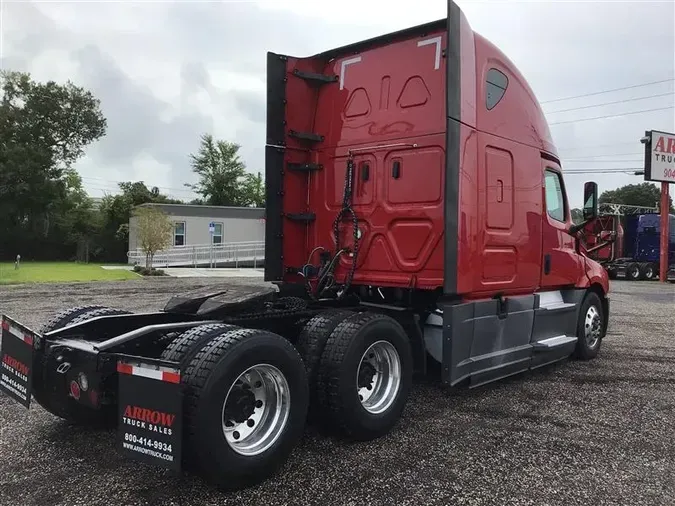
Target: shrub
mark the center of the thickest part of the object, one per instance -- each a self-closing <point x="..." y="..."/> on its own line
<point x="144" y="271"/>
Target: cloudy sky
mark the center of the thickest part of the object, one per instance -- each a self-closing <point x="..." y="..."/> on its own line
<point x="168" y="71"/>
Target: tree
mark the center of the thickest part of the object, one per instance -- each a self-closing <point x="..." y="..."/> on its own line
<point x="577" y="215"/>
<point x="44" y="130"/>
<point x="223" y="180"/>
<point x="76" y="221"/>
<point x="644" y="194"/>
<point x="154" y="231"/>
<point x="254" y="190"/>
<point x="116" y="210"/>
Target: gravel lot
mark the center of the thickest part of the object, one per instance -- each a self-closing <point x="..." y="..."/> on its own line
<point x="576" y="433"/>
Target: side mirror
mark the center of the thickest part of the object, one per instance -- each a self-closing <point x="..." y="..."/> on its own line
<point x="590" y="200"/>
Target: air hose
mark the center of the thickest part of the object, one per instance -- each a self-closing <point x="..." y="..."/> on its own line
<point x="325" y="274"/>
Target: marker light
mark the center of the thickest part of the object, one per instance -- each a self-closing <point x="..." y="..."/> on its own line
<point x="75" y="390"/>
<point x="83" y="381"/>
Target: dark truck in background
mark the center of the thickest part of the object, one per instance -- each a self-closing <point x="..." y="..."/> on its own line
<point x="417" y="222"/>
<point x="628" y="246"/>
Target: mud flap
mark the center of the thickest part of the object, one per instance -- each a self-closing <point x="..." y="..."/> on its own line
<point x="16" y="359"/>
<point x="150" y="412"/>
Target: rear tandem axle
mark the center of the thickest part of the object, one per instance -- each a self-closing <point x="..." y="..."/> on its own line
<point x="222" y="382"/>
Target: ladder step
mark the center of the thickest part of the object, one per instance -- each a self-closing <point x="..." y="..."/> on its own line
<point x="314" y="77"/>
<point x="558" y="305"/>
<point x="306" y="217"/>
<point x="304" y="167"/>
<point x="306" y="136"/>
<point x="554" y="342"/>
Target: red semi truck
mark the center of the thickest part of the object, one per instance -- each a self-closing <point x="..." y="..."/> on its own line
<point x="416" y="219"/>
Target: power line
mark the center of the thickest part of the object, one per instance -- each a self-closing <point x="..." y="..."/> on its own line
<point x="628" y="172"/>
<point x="613" y="154"/>
<point x="609" y="170"/>
<point x="586" y="169"/>
<point x="612" y="115"/>
<point x="607" y="91"/>
<point x="600" y="146"/>
<point x="111" y="181"/>
<point x="590" y="160"/>
<point x="671" y="94"/>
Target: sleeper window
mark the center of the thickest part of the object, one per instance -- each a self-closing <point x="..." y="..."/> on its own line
<point x="496" y="83"/>
<point x="555" y="201"/>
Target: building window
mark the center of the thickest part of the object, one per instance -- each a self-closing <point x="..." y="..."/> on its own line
<point x="495" y="87"/>
<point x="179" y="233"/>
<point x="555" y="199"/>
<point x="217" y="237"/>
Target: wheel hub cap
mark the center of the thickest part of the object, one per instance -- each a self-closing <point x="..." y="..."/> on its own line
<point x="256" y="409"/>
<point x="592" y="327"/>
<point x="240" y="406"/>
<point x="378" y="379"/>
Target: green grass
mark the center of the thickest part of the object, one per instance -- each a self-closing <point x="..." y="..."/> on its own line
<point x="50" y="272"/>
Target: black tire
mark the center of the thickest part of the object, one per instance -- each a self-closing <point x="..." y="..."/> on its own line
<point x="310" y="345"/>
<point x="633" y="271"/>
<point x="207" y="381"/>
<point x="184" y="347"/>
<point x="58" y="403"/>
<point x="611" y="273"/>
<point x="94" y="313"/>
<point x="649" y="271"/>
<point x="340" y="364"/>
<point x="584" y="349"/>
<point x="290" y="303"/>
<point x="64" y="318"/>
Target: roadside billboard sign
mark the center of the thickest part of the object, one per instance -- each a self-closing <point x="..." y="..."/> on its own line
<point x="659" y="156"/>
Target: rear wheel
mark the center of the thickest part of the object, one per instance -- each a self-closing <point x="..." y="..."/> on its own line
<point x="365" y="375"/>
<point x="184" y="347"/>
<point x="633" y="271"/>
<point x="649" y="271"/>
<point x="246" y="398"/>
<point x="52" y="392"/>
<point x="311" y="343"/>
<point x="65" y="317"/>
<point x="590" y="327"/>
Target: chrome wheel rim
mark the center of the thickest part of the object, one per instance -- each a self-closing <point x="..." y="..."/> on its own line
<point x="378" y="378"/>
<point x="256" y="409"/>
<point x="649" y="273"/>
<point x="592" y="327"/>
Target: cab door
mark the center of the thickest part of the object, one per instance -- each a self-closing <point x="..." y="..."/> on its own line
<point x="560" y="264"/>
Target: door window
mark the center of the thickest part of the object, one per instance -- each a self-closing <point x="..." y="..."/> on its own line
<point x="555" y="200"/>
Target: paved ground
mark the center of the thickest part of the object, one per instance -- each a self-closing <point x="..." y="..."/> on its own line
<point x="230" y="272"/>
<point x="594" y="433"/>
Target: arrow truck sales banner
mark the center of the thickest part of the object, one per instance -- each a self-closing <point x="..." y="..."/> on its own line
<point x="660" y="157"/>
<point x="150" y="414"/>
<point x="16" y="361"/>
